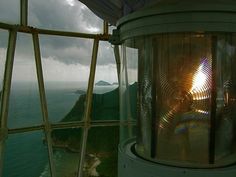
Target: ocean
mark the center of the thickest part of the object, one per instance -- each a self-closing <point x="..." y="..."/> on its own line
<point x="25" y="153"/>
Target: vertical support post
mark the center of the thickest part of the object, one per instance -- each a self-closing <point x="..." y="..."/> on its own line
<point x="154" y="103"/>
<point x="117" y="58"/>
<point x="88" y="108"/>
<point x="105" y="28"/>
<point x="213" y="102"/>
<point x="24" y="12"/>
<point x="129" y="119"/>
<point x="47" y="128"/>
<point x="6" y="92"/>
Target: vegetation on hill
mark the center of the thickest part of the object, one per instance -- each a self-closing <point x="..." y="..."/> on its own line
<point x="102" y="141"/>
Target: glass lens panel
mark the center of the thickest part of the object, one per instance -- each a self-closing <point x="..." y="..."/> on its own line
<point x="101" y="154"/>
<point x="10" y="11"/>
<point x="128" y="86"/>
<point x="24" y="108"/>
<point x="70" y="15"/>
<point x="66" y="148"/>
<point x="225" y="150"/>
<point x="145" y="94"/>
<point x="183" y="89"/>
<point x="186" y="98"/>
<point x="105" y="98"/>
<point x="66" y="65"/>
<point x="25" y="155"/>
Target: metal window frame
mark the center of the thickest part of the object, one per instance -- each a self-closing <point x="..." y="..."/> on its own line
<point x="47" y="127"/>
<point x="43" y="101"/>
<point x="6" y="93"/>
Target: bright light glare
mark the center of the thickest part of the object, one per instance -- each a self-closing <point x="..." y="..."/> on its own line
<point x="197" y="97"/>
<point x="199" y="79"/>
<point x="202" y="111"/>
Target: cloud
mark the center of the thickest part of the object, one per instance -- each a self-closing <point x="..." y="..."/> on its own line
<point x="62" y="15"/>
<point x="9" y="11"/>
<point x="105" y="54"/>
<point x="70" y="16"/>
<point x="57" y="48"/>
<point x="67" y="15"/>
<point x="101" y="73"/>
<point x="64" y="72"/>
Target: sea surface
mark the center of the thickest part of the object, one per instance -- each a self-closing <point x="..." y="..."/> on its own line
<point x="25" y="153"/>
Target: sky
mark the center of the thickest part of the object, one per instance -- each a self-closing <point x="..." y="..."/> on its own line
<point x="63" y="58"/>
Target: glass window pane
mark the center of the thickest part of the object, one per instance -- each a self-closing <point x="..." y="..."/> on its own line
<point x="66" y="65"/>
<point x="70" y="15"/>
<point x="101" y="154"/>
<point x="105" y="98"/>
<point x="3" y="52"/>
<point x="24" y="108"/>
<point x="66" y="148"/>
<point x="10" y="11"/>
<point x="25" y="155"/>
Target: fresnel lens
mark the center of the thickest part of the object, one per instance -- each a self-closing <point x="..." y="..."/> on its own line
<point x="181" y="59"/>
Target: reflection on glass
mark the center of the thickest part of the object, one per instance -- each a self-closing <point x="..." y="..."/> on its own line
<point x="66" y="65"/>
<point x="25" y="155"/>
<point x="105" y="98"/>
<point x="101" y="152"/>
<point x="184" y="99"/>
<point x="185" y="114"/>
<point x="66" y="148"/>
<point x="10" y="11"/>
<point x="64" y="15"/>
<point x="128" y="88"/>
<point x="24" y="108"/>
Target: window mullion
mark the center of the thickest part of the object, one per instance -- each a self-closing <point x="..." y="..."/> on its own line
<point x="24" y="12"/>
<point x="6" y="93"/>
<point x="47" y="126"/>
<point x="88" y="108"/>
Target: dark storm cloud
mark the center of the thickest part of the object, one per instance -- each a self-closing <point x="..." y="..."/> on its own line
<point x="54" y="14"/>
<point x="79" y="52"/>
<point x="57" y="15"/>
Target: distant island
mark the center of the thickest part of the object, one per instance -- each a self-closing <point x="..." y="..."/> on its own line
<point x="102" y="83"/>
<point x="115" y="83"/>
<point x="81" y="92"/>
